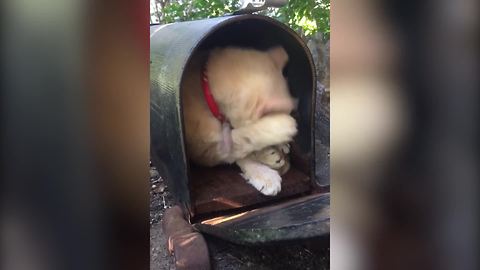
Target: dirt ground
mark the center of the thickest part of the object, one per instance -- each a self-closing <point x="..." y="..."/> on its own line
<point x="306" y="254"/>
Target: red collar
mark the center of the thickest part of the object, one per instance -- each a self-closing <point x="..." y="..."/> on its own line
<point x="212" y="105"/>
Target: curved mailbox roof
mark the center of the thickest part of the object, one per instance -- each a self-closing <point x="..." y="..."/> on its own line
<point x="171" y="47"/>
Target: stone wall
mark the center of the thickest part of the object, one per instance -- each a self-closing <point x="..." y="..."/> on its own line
<point x="321" y="56"/>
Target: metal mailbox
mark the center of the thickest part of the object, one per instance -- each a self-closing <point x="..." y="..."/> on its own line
<point x="217" y="200"/>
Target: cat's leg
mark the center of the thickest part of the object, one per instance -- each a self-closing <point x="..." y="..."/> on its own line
<point x="270" y="130"/>
<point x="275" y="157"/>
<point x="263" y="178"/>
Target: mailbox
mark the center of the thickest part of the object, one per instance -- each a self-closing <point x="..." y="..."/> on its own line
<point x="218" y="200"/>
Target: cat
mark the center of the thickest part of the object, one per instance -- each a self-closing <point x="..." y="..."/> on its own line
<point x="252" y="95"/>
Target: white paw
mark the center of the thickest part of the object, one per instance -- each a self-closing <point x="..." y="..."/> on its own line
<point x="286" y="129"/>
<point x="279" y="129"/>
<point x="263" y="178"/>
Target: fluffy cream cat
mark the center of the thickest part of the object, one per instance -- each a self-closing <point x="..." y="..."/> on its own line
<point x="252" y="94"/>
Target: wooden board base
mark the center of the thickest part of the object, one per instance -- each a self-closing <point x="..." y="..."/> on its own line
<point x="223" y="188"/>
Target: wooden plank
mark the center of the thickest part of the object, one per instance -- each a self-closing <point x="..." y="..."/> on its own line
<point x="223" y="188"/>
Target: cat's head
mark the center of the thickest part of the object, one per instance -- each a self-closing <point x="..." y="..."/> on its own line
<point x="249" y="83"/>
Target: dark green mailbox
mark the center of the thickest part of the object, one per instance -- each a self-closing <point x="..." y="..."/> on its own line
<point x="224" y="204"/>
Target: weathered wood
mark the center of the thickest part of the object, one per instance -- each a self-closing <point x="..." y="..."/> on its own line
<point x="223" y="188"/>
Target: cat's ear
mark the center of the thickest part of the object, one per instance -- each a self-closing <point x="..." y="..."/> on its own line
<point x="279" y="56"/>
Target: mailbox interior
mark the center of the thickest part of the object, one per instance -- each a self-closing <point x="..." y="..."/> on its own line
<point x="220" y="189"/>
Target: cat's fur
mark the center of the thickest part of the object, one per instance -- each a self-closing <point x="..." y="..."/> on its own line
<point x="252" y="93"/>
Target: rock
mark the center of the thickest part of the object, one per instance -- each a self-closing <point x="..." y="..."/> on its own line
<point x="320" y="49"/>
<point x="158" y="188"/>
<point x="322" y="136"/>
<point x="153" y="173"/>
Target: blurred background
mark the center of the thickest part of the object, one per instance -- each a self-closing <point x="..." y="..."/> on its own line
<point x="404" y="135"/>
<point x="75" y="134"/>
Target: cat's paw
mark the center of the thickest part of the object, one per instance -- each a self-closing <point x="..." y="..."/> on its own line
<point x="277" y="129"/>
<point x="264" y="179"/>
<point x="285" y="129"/>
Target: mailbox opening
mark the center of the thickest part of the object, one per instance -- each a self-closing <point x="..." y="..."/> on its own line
<point x="222" y="188"/>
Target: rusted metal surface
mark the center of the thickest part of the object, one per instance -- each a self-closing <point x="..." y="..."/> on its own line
<point x="186" y="244"/>
<point x="191" y="252"/>
<point x="296" y="219"/>
<point x="223" y="188"/>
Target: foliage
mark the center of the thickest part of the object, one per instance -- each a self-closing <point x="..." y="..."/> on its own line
<point x="305" y="16"/>
<point x="198" y="9"/>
